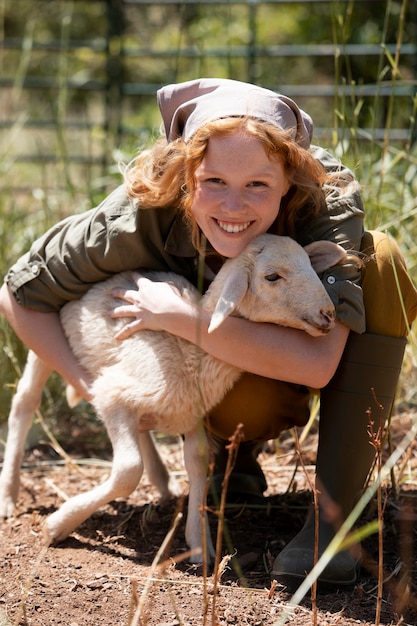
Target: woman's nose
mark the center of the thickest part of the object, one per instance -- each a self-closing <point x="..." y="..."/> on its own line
<point x="233" y="201"/>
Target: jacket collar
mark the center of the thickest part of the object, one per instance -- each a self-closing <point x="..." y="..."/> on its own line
<point x="178" y="241"/>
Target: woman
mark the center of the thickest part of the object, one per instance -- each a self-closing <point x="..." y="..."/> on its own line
<point x="237" y="162"/>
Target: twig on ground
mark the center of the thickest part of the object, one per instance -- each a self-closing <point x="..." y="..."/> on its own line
<point x="232" y="449"/>
<point x="376" y="438"/>
<point x="141" y="604"/>
<point x="29" y="582"/>
<point x="315" y="492"/>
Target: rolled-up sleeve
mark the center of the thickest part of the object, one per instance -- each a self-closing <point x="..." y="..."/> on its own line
<point x="342" y="223"/>
<point x="70" y="256"/>
<point x="342" y="283"/>
<point x="87" y="248"/>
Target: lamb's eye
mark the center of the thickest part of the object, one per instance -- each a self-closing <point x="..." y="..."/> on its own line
<point x="272" y="278"/>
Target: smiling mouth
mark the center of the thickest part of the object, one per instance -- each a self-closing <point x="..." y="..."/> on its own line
<point x="230" y="227"/>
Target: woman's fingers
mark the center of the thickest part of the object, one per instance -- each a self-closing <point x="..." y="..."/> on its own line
<point x="124" y="310"/>
<point x="138" y="277"/>
<point x="130" y="295"/>
<point x="150" y="306"/>
<point x="128" y="330"/>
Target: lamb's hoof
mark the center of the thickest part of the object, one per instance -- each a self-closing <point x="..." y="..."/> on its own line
<point x="47" y="540"/>
<point x="7" y="507"/>
<point x="196" y="557"/>
<point x="53" y="535"/>
<point x="174" y="488"/>
<point x="173" y="491"/>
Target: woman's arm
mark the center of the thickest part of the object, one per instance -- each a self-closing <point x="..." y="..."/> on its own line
<point x="264" y="349"/>
<point x="43" y="333"/>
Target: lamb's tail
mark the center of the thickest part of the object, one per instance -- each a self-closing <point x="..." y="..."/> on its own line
<point x="73" y="397"/>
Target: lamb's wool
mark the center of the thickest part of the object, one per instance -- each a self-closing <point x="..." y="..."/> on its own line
<point x="273" y="280"/>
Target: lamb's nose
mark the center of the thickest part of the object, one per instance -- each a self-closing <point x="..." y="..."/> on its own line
<point x="328" y="316"/>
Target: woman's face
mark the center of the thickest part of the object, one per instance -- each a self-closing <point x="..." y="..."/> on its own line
<point x="238" y="192"/>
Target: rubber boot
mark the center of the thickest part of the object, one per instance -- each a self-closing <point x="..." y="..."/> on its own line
<point x="247" y="481"/>
<point x="265" y="407"/>
<point x="369" y="369"/>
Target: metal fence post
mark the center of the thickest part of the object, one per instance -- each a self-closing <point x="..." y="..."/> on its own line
<point x="114" y="71"/>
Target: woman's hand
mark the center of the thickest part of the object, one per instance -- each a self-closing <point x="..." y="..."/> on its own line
<point x="267" y="350"/>
<point x="149" y="306"/>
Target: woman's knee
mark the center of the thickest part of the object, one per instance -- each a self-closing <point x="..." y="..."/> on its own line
<point x="264" y="406"/>
<point x="389" y="294"/>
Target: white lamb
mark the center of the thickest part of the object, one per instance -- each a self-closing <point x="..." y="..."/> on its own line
<point x="273" y="280"/>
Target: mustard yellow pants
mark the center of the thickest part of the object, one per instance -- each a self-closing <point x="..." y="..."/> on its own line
<point x="266" y="407"/>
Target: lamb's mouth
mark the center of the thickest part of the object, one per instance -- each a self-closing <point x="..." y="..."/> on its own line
<point x="230" y="227"/>
<point x="322" y="329"/>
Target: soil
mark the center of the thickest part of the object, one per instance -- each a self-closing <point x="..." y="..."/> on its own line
<point x="104" y="573"/>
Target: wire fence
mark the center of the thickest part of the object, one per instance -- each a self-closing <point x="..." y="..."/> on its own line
<point x="78" y="79"/>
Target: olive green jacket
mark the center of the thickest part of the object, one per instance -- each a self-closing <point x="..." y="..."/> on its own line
<point x="119" y="235"/>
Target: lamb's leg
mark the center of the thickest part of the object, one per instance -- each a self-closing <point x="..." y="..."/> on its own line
<point x="196" y="460"/>
<point x="126" y="472"/>
<point x="158" y="474"/>
<point x="25" y="402"/>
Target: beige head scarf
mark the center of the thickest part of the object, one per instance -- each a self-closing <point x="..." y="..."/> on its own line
<point x="185" y="107"/>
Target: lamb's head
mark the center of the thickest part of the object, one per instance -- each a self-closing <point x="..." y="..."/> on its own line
<point x="275" y="280"/>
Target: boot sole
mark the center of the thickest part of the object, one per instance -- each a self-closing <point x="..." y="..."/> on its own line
<point x="324" y="587"/>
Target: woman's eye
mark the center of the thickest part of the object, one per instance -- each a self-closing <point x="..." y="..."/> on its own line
<point x="257" y="183"/>
<point x="217" y="181"/>
<point x="272" y="278"/>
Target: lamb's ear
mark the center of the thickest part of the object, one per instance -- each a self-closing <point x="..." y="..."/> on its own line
<point x="234" y="290"/>
<point x="325" y="254"/>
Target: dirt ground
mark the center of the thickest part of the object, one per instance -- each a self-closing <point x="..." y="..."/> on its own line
<point x="103" y="573"/>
